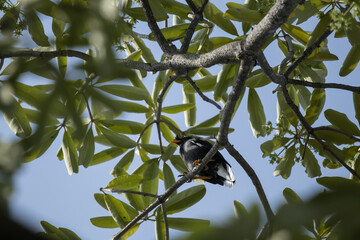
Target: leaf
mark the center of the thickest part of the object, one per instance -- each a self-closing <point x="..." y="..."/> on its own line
<point x="209" y="131"/>
<point x="256" y="112"/>
<point x="310" y="163"/>
<point x="190" y="115"/>
<point x="304" y="96"/>
<point x="86" y="152"/>
<point x="356" y="101"/>
<point x="271" y="145"/>
<point x="123" y="126"/>
<point x="104" y="222"/>
<point x="216" y="16"/>
<point x="177" y="108"/>
<point x="117" y="210"/>
<point x="317" y="102"/>
<point x="150" y="182"/>
<point x="257" y="79"/>
<point x="286" y="163"/>
<point x="244" y="15"/>
<point x="178" y="163"/>
<point x="222" y="81"/>
<point x="169" y="178"/>
<point x="175" y="32"/>
<point x="185" y="199"/>
<point x="205" y="84"/>
<point x="107" y="155"/>
<point x="309" y="74"/>
<point x="36" y="29"/>
<point x="175" y="7"/>
<point x="353" y="31"/>
<point x="70" y="155"/>
<point x="159" y="225"/>
<point x="240" y="210"/>
<point x="339" y="184"/>
<point x="284" y="109"/>
<point x="15" y="117"/>
<point x="129" y="107"/>
<point x="169" y="151"/>
<point x="125" y="182"/>
<point x="341" y="121"/>
<point x="151" y="148"/>
<point x="351" y="61"/>
<point x="291" y="196"/>
<point x="51" y="229"/>
<point x="124" y="163"/>
<point x="296" y="33"/>
<point x="129" y="92"/>
<point x="188" y="224"/>
<point x="118" y="139"/>
<point x="320" y="28"/>
<point x="146" y="52"/>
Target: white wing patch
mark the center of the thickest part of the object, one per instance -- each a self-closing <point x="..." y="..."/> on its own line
<point x="197" y="143"/>
<point x="227" y="174"/>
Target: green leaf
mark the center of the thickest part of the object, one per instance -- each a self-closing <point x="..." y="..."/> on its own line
<point x="117" y="210"/>
<point x="175" y="7"/>
<point x="256" y="112"/>
<point x="216" y="16"/>
<point x="351" y="61"/>
<point x="240" y="210"/>
<point x="284" y="109"/>
<point x="146" y="52"/>
<point x="341" y="121"/>
<point x="209" y="131"/>
<point x="51" y="229"/>
<point x="353" y="31"/>
<point x="271" y="145"/>
<point x="291" y="196"/>
<point x="190" y="115"/>
<point x="258" y="79"/>
<point x="310" y="163"/>
<point x="286" y="163"/>
<point x="339" y="184"/>
<point x="118" y="139"/>
<point x="356" y="101"/>
<point x="169" y="178"/>
<point x="304" y="96"/>
<point x="165" y="131"/>
<point x="178" y="163"/>
<point x="296" y="33"/>
<point x="169" y="151"/>
<point x="175" y="32"/>
<point x="188" y="224"/>
<point x="243" y="14"/>
<point x="125" y="182"/>
<point x="317" y="102"/>
<point x="159" y="225"/>
<point x="309" y="74"/>
<point x="150" y="182"/>
<point x="185" y="199"/>
<point x="107" y="155"/>
<point x="104" y="222"/>
<point x="151" y="148"/>
<point x="320" y="28"/>
<point x="177" y="108"/>
<point x="129" y="92"/>
<point x="123" y="126"/>
<point x="36" y="29"/>
<point x="205" y="84"/>
<point x="15" y="117"/>
<point x="38" y="148"/>
<point x="129" y="107"/>
<point x="70" y="234"/>
<point x="222" y="81"/>
<point x="70" y="155"/>
<point x="86" y="152"/>
<point x="124" y="163"/>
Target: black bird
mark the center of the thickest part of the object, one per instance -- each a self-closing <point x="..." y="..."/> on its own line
<point x="217" y="170"/>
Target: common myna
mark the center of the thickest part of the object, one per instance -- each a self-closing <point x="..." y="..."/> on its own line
<point x="217" y="170"/>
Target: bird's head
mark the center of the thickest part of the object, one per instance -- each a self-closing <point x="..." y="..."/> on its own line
<point x="180" y="140"/>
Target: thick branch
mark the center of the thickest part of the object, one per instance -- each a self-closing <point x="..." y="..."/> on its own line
<point x="254" y="178"/>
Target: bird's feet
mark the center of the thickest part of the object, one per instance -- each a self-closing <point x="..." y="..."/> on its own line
<point x="199" y="177"/>
<point x="197" y="162"/>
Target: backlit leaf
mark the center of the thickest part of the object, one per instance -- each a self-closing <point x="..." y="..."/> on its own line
<point x="317" y="101"/>
<point x="310" y="163"/>
<point x="351" y="61"/>
<point x="256" y="112"/>
<point x="341" y="121"/>
<point x="185" y="199"/>
<point x="286" y="163"/>
<point x="188" y="224"/>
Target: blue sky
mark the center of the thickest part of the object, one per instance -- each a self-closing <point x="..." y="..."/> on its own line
<point x="44" y="191"/>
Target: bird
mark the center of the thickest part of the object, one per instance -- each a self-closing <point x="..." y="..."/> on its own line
<point x="217" y="170"/>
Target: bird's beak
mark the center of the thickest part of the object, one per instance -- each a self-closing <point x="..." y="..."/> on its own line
<point x="176" y="141"/>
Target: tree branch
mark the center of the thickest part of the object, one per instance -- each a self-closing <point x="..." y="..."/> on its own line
<point x="201" y="94"/>
<point x="165" y="46"/>
<point x="324" y="85"/>
<point x="322" y="128"/>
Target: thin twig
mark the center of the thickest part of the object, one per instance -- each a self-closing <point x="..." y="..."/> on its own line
<point x="143" y="131"/>
<point x="129" y="191"/>
<point x="163" y="209"/>
<point x="324" y="85"/>
<point x="306" y="142"/>
<point x="201" y="94"/>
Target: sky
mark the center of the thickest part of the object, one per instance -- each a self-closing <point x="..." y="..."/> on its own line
<point x="43" y="190"/>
